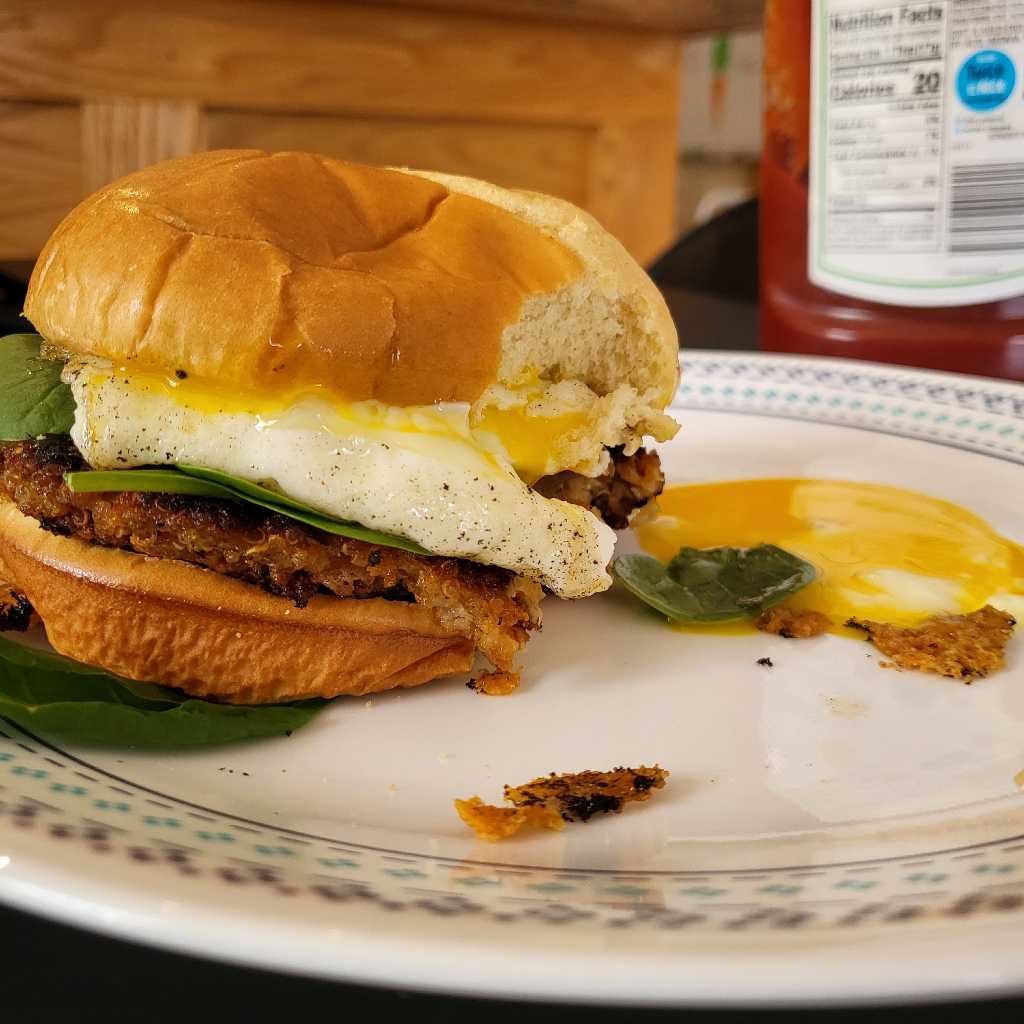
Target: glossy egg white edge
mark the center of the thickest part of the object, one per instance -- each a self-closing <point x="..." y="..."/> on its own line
<point x="415" y="473"/>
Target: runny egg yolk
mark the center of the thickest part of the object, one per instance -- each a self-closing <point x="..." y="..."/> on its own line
<point x="523" y="439"/>
<point x="882" y="553"/>
<point x="528" y="439"/>
<point x="440" y="420"/>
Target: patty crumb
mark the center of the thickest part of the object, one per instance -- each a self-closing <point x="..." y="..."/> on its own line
<point x="966" y="647"/>
<point x="629" y="483"/>
<point x="766" y="662"/>
<point x="792" y="624"/>
<point x="494" y="823"/>
<point x="15" y="610"/>
<point x="551" y="801"/>
<point x="495" y="684"/>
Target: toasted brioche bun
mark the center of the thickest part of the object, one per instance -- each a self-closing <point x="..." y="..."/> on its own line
<point x="280" y="272"/>
<point x="158" y="620"/>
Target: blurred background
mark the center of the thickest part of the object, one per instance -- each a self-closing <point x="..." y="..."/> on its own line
<point x="644" y="112"/>
<point x="648" y="113"/>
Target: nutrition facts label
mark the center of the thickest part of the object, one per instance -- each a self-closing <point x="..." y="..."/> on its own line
<point x="917" y="190"/>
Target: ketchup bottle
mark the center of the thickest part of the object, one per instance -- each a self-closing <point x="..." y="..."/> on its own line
<point x="892" y="183"/>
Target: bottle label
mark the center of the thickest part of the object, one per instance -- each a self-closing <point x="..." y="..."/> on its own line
<point x="917" y="150"/>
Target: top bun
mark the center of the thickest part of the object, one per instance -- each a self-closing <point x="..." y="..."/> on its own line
<point x="283" y="271"/>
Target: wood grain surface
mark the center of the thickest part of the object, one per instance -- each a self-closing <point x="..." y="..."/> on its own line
<point x="120" y="135"/>
<point x="40" y="173"/>
<point x="546" y="158"/>
<point x="90" y="91"/>
<point x="333" y="57"/>
<point x="682" y="16"/>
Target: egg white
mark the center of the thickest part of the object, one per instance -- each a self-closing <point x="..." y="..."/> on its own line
<point x="416" y="472"/>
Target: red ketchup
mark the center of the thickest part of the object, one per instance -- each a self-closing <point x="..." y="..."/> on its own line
<point x="901" y="157"/>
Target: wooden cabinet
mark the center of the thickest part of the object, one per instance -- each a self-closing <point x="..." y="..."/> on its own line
<point x="583" y="105"/>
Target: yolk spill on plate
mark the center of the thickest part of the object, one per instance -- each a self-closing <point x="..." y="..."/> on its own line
<point x="881" y="552"/>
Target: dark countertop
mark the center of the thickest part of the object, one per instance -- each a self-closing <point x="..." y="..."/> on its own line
<point x="54" y="972"/>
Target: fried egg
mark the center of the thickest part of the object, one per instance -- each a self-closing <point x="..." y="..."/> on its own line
<point x="422" y="472"/>
<point x="881" y="552"/>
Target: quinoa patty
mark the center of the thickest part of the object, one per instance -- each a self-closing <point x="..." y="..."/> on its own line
<point x="493" y="606"/>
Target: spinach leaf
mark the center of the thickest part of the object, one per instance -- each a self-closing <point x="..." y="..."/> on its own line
<point x="715" y="584"/>
<point x="33" y="399"/>
<point x="214" y="484"/>
<point x="645" y="577"/>
<point x="51" y="694"/>
<point x="249" y="489"/>
<point x="729" y="582"/>
<point x="276" y="502"/>
<point x="161" y="481"/>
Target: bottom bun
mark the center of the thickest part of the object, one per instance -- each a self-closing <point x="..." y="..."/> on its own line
<point x="163" y="621"/>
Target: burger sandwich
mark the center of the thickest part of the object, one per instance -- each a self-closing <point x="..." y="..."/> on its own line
<point x="296" y="427"/>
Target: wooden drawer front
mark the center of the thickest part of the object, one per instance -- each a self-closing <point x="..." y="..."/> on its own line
<point x="330" y="56"/>
<point x="553" y="159"/>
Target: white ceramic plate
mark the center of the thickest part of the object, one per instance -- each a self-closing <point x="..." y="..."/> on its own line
<point x="801" y="853"/>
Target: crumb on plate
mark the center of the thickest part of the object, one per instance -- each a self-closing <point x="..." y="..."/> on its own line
<point x="494" y="823"/>
<point x="963" y="647"/>
<point x="550" y="801"/>
<point x="792" y="624"/>
<point x="495" y="684"/>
